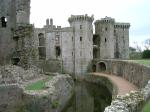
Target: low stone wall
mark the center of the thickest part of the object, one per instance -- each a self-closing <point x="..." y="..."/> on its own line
<point x="10" y="97"/>
<point x="50" y="65"/>
<point x="132" y="102"/>
<point x="53" y="99"/>
<point x="11" y="74"/>
<point x="133" y="72"/>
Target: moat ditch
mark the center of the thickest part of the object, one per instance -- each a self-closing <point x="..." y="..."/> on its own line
<point x="88" y="97"/>
<point x="62" y="95"/>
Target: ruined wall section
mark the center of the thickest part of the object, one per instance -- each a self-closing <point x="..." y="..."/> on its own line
<point x="83" y="44"/>
<point x="121" y="33"/>
<point x="23" y="11"/>
<point x="7" y="26"/>
<point x="25" y="53"/>
<point x="37" y="32"/>
<point x="105" y="29"/>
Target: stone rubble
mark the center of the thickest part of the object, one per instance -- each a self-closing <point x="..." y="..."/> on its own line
<point x="131" y="102"/>
<point x="11" y="74"/>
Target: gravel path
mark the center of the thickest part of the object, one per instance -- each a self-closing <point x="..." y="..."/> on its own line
<point x="123" y="85"/>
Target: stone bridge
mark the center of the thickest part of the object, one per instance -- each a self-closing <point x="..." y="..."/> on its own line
<point x="135" y="73"/>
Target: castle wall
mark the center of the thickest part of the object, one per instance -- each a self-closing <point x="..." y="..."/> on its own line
<point x="7" y="26"/>
<point x="67" y="50"/>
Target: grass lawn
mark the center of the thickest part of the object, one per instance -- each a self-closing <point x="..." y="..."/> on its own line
<point x="39" y="85"/>
<point x="144" y="62"/>
<point x="147" y="107"/>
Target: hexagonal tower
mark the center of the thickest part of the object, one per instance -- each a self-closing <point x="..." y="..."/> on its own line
<point x="82" y="42"/>
<point x="7" y="27"/>
<point x="105" y="29"/>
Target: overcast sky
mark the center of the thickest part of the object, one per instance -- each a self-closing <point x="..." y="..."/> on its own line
<point x="136" y="12"/>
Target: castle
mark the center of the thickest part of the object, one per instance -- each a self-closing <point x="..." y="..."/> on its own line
<point x="57" y="49"/>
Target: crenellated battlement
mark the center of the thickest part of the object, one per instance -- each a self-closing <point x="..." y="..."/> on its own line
<point x="81" y="18"/>
<point x="122" y="25"/>
<point x="105" y="20"/>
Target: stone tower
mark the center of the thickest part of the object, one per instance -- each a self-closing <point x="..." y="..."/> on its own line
<point x="82" y="42"/>
<point x="7" y="27"/>
<point x="104" y="28"/>
<point x="121" y="33"/>
<point x="23" y="11"/>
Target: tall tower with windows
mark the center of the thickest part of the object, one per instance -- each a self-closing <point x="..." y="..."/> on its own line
<point x="7" y="26"/>
<point x="104" y="28"/>
<point x="121" y="33"/>
<point x="82" y="42"/>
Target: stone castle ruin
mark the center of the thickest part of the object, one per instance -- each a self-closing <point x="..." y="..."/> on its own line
<point x="58" y="49"/>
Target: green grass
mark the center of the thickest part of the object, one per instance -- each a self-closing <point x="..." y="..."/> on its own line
<point x="147" y="107"/>
<point x="144" y="62"/>
<point x="39" y="85"/>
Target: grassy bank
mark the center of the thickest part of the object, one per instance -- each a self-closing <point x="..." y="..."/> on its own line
<point x="144" y="62"/>
<point x="39" y="85"/>
<point x="147" y="107"/>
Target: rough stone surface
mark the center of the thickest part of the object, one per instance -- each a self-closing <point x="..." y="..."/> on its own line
<point x="54" y="98"/>
<point x="10" y="97"/>
<point x="14" y="97"/>
<point x="131" y="102"/>
<point x="135" y="73"/>
<point x="11" y="74"/>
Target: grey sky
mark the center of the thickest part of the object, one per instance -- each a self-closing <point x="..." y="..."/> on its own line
<point x="136" y="12"/>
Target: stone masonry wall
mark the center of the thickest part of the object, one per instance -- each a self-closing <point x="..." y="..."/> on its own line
<point x="53" y="99"/>
<point x="131" y="102"/>
<point x="10" y="97"/>
<point x="133" y="72"/>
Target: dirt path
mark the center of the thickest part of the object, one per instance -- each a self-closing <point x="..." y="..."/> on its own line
<point x="123" y="85"/>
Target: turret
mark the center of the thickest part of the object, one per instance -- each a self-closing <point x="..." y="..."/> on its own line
<point x="121" y="33"/>
<point x="104" y="28"/>
<point x="83" y="44"/>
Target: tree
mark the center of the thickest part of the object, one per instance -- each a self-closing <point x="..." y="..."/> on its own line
<point x="147" y="44"/>
<point x="146" y="54"/>
<point x="137" y="47"/>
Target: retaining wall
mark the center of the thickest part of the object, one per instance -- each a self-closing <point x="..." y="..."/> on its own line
<point x="135" y="73"/>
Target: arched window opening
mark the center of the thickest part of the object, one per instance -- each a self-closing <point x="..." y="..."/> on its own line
<point x="58" y="51"/>
<point x="41" y="39"/>
<point x="42" y="53"/>
<point x="4" y="22"/>
<point x="16" y="61"/>
<point x="94" y="68"/>
<point x="102" y="67"/>
<point x="95" y="53"/>
<point x="105" y="40"/>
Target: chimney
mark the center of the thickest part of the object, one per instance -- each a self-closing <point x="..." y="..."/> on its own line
<point x="51" y="22"/>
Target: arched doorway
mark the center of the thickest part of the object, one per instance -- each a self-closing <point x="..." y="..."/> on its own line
<point x="102" y="67"/>
<point x="94" y="68"/>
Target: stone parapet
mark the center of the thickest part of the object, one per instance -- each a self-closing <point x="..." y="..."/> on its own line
<point x="131" y="102"/>
<point x="81" y="18"/>
<point x="122" y="25"/>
